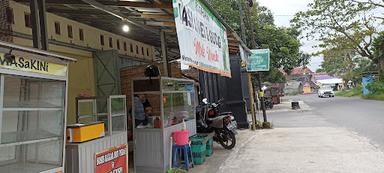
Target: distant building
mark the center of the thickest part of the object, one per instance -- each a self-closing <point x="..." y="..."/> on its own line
<point x="301" y="79"/>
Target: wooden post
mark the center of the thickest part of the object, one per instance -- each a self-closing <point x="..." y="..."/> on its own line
<point x="252" y="101"/>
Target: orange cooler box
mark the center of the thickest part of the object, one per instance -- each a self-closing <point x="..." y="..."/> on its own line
<point x="85" y="132"/>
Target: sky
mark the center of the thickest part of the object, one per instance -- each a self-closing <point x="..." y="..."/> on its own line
<point x="283" y="11"/>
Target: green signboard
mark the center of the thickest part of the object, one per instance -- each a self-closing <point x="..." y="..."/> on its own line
<point x="258" y="60"/>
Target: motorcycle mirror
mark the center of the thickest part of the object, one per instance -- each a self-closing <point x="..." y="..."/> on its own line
<point x="205" y="100"/>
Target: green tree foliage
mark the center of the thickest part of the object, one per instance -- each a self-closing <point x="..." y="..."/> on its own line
<point x="275" y="76"/>
<point x="347" y="30"/>
<point x="341" y="25"/>
<point x="284" y="47"/>
<point x="320" y="70"/>
<point x="378" y="50"/>
<point x="346" y="64"/>
<point x="258" y="20"/>
<point x="344" y="24"/>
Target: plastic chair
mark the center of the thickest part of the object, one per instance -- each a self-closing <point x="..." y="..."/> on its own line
<point x="182" y="154"/>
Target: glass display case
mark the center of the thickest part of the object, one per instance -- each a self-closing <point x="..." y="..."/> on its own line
<point x="179" y="101"/>
<point x="80" y="155"/>
<point x="171" y="101"/>
<point x="111" y="110"/>
<point x="32" y="112"/>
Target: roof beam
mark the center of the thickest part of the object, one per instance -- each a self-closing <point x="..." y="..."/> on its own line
<point x="106" y="9"/>
<point x="139" y="4"/>
<point x="166" y="24"/>
<point x="156" y="16"/>
<point x="112" y="3"/>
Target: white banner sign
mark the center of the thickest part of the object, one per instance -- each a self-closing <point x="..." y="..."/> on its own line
<point x="202" y="37"/>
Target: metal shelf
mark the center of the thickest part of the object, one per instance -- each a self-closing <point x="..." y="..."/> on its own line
<point x="148" y="92"/>
<point x="29" y="137"/>
<point x="175" y="92"/>
<point x="26" y="167"/>
<point x="32" y="109"/>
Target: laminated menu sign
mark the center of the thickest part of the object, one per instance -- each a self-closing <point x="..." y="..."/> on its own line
<point x="114" y="160"/>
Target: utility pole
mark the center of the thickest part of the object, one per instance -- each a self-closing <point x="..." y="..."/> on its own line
<point x="262" y="98"/>
<point x="250" y="85"/>
<point x="254" y="45"/>
<point x="242" y="25"/>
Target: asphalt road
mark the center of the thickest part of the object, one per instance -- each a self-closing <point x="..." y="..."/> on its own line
<point x="365" y="117"/>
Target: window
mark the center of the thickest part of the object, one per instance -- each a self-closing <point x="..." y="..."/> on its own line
<point x="81" y="34"/>
<point x="102" y="40"/>
<point x="118" y="44"/>
<point x="10" y="16"/>
<point x="110" y="42"/>
<point x="57" y="28"/>
<point x="147" y="51"/>
<point x="27" y="19"/>
<point x="125" y="46"/>
<point x="137" y="49"/>
<point x="70" y="32"/>
<point x="142" y="50"/>
<point x="131" y="47"/>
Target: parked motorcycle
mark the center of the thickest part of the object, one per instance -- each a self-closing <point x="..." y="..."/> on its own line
<point x="210" y="119"/>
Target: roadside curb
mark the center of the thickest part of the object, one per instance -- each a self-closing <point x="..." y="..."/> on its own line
<point x="286" y="107"/>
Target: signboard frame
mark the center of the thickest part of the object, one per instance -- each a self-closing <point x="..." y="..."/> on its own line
<point x="259" y="60"/>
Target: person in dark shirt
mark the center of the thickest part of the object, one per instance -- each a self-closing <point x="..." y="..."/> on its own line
<point x="140" y="117"/>
<point x="147" y="107"/>
<point x="143" y="109"/>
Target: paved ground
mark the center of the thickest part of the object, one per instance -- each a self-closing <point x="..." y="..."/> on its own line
<point x="337" y="138"/>
<point x="366" y="117"/>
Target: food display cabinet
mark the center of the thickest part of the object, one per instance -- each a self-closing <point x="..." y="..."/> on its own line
<point x="33" y="88"/>
<point x="112" y="112"/>
<point x="173" y="101"/>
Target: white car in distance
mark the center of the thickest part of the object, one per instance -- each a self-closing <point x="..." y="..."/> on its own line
<point x="326" y="91"/>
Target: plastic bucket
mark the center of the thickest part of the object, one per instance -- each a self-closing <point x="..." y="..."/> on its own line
<point x="181" y="137"/>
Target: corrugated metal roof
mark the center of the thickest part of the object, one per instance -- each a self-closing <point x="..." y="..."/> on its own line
<point x="145" y="17"/>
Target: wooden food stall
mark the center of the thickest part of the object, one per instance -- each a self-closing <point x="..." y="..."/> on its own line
<point x="173" y="100"/>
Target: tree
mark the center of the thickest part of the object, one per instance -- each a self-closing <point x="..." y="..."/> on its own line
<point x="274" y="76"/>
<point x="320" y="70"/>
<point x="346" y="64"/>
<point x="262" y="33"/>
<point x="339" y="23"/>
<point x="284" y="46"/>
<point x="378" y="50"/>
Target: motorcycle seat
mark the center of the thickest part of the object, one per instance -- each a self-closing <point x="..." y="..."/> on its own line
<point x="215" y="118"/>
<point x="226" y="113"/>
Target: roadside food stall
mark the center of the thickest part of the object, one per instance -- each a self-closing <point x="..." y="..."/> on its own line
<point x="98" y="141"/>
<point x="173" y="101"/>
<point x="33" y="90"/>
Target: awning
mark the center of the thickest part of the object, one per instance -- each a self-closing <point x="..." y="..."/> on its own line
<point x="331" y="81"/>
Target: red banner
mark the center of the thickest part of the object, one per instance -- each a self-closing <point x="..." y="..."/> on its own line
<point x="114" y="160"/>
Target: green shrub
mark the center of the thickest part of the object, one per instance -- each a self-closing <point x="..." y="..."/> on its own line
<point x="376" y="87"/>
<point x="357" y="91"/>
<point x="375" y="96"/>
<point x="267" y="125"/>
<point x="263" y="125"/>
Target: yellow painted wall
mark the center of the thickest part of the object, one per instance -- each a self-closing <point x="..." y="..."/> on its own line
<point x="81" y="73"/>
<point x="307" y="90"/>
<point x="91" y="34"/>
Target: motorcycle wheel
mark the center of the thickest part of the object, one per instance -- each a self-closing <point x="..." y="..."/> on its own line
<point x="227" y="139"/>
